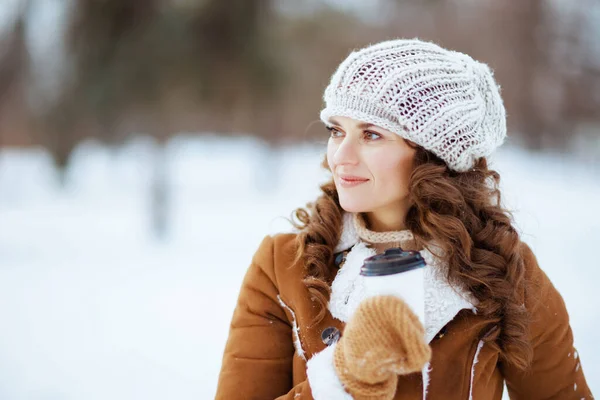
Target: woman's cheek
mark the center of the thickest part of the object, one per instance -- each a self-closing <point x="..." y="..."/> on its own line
<point x="386" y="164"/>
<point x="330" y="154"/>
<point x="393" y="168"/>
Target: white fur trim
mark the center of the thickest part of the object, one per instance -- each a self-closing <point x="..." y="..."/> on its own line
<point x="442" y="300"/>
<point x="322" y="378"/>
<point x="425" y="373"/>
<point x="475" y="359"/>
<point x="296" y="331"/>
<point x="348" y="289"/>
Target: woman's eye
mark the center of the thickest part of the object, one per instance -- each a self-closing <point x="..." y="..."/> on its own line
<point x="334" y="133"/>
<point x="373" y="135"/>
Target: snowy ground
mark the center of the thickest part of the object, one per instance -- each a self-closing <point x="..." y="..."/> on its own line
<point x="94" y="307"/>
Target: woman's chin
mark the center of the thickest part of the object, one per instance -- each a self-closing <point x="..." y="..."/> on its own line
<point x="354" y="207"/>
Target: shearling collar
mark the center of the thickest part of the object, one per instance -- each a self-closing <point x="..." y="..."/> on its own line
<point x="442" y="300"/>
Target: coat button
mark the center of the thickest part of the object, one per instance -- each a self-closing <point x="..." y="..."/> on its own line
<point x="441" y="333"/>
<point x="339" y="258"/>
<point x="330" y="335"/>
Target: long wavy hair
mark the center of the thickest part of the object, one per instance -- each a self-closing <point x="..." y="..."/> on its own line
<point x="462" y="213"/>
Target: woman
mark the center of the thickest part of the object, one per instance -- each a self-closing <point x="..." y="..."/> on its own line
<point x="411" y="125"/>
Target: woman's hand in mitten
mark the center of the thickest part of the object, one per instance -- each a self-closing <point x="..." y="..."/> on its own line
<point x="383" y="338"/>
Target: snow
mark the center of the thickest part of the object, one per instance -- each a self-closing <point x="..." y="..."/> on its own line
<point x="425" y="378"/>
<point x="93" y="306"/>
<point x="295" y="329"/>
<point x="475" y="360"/>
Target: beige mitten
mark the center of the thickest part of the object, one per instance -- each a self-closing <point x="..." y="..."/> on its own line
<point x="383" y="338"/>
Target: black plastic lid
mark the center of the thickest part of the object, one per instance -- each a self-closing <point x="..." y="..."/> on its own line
<point x="392" y="261"/>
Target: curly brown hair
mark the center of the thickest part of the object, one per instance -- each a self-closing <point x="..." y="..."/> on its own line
<point x="462" y="213"/>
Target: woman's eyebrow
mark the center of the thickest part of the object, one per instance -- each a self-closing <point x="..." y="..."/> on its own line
<point x="362" y="125"/>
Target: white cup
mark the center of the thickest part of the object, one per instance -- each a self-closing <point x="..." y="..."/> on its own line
<point x="398" y="273"/>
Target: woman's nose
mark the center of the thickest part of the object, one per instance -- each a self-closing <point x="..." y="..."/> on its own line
<point x="347" y="152"/>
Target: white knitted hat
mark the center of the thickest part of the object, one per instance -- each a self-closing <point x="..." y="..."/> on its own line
<point x="440" y="99"/>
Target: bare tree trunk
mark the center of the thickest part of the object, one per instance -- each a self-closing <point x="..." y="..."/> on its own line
<point x="267" y="175"/>
<point x="527" y="21"/>
<point x="14" y="64"/>
<point x="160" y="191"/>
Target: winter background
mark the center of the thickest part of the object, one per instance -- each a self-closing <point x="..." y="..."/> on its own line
<point x="94" y="307"/>
<point x="120" y="268"/>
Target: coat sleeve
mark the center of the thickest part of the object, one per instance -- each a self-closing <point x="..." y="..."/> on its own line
<point x="257" y="361"/>
<point x="556" y="371"/>
<point x="258" y="358"/>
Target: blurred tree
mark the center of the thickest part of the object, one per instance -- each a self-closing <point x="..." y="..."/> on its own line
<point x="533" y="47"/>
<point x="235" y="47"/>
<point x="551" y="75"/>
<point x="582" y="88"/>
<point x="14" y="72"/>
<point x="141" y="66"/>
<point x="118" y="58"/>
<point x="527" y="24"/>
<point x="249" y="67"/>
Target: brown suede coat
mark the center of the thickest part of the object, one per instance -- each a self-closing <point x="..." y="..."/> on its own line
<point x="264" y="360"/>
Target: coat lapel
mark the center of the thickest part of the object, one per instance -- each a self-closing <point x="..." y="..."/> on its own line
<point x="442" y="300"/>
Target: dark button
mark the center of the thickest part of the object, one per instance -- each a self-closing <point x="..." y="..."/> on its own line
<point x="330" y="335"/>
<point x="339" y="257"/>
<point x="442" y="332"/>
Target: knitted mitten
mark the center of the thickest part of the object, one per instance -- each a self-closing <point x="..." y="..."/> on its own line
<point x="383" y="338"/>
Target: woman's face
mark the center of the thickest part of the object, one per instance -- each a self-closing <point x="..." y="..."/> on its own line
<point x="376" y="163"/>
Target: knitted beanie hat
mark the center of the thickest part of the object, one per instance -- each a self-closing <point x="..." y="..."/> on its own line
<point x="440" y="99"/>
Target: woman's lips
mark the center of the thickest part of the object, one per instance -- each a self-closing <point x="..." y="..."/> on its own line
<point x="348" y="182"/>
